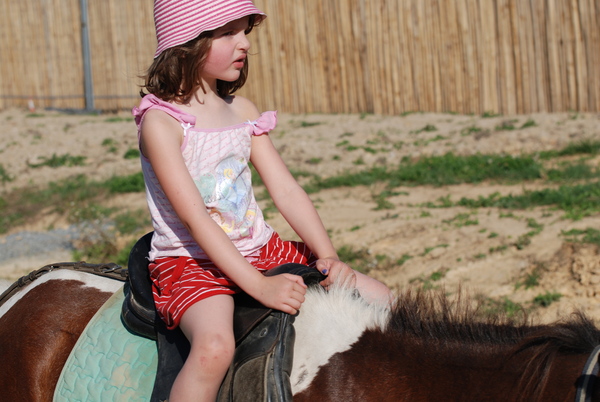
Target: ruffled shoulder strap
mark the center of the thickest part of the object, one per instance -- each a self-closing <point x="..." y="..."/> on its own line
<point x="265" y="123"/>
<point x="151" y="101"/>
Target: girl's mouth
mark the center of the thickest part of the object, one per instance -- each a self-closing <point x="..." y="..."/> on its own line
<point x="239" y="63"/>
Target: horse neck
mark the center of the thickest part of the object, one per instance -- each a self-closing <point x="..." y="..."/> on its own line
<point x="467" y="371"/>
<point x="410" y="369"/>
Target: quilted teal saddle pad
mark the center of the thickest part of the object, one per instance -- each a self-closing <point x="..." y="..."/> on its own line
<point x="108" y="363"/>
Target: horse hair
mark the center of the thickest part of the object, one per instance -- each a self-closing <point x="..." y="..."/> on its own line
<point x="436" y="319"/>
<point x="434" y="315"/>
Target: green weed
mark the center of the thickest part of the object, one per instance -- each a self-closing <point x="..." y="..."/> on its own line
<point x="577" y="201"/>
<point x="588" y="235"/>
<point x="405" y="257"/>
<point x="56" y="161"/>
<point x="546" y="299"/>
<point x="428" y="128"/>
<point x="118" y="119"/>
<point x="132" y="154"/>
<point x="490" y="114"/>
<point x="505" y="306"/>
<point x="506" y="125"/>
<point x="309" y="123"/>
<point x="460" y="220"/>
<point x="359" y="260"/>
<point x="4" y="176"/>
<point x="440" y="170"/>
<point x="572" y="172"/>
<point x="529" y="123"/>
<point x="132" y="222"/>
<point x="531" y="279"/>
<point x="133" y="183"/>
<point x="470" y="130"/>
<point x="584" y="147"/>
<point x="428" y="282"/>
<point x="110" y="145"/>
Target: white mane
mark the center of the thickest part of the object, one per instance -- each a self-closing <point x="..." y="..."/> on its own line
<point x="330" y="322"/>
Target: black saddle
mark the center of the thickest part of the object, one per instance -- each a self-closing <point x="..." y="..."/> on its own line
<point x="264" y="337"/>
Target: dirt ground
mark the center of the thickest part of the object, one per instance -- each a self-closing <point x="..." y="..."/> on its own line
<point x="419" y="245"/>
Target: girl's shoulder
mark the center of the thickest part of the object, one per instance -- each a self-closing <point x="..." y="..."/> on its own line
<point x="151" y="105"/>
<point x="244" y="108"/>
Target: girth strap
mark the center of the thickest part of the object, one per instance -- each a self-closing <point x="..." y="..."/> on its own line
<point x="588" y="377"/>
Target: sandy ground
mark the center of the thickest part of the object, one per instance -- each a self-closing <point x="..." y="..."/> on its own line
<point x="442" y="250"/>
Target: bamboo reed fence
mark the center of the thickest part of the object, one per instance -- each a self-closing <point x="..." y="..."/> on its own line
<point x="329" y="56"/>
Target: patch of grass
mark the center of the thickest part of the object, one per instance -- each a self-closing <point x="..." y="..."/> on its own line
<point x="506" y="125"/>
<point x="84" y="212"/>
<point x="133" y="183"/>
<point x="546" y="299"/>
<point x="439" y="171"/>
<point x="460" y="220"/>
<point x="430" y="249"/>
<point x="572" y="172"/>
<point x="405" y="257"/>
<point x="110" y="145"/>
<point x="132" y="222"/>
<point x="359" y="161"/>
<point x="529" y="123"/>
<point x="427" y="129"/>
<point x="588" y="235"/>
<point x="382" y="202"/>
<point x="314" y="161"/>
<point x="577" y="201"/>
<point x="504" y="306"/>
<point x="490" y="114"/>
<point x="498" y="249"/>
<point x="56" y="161"/>
<point x="309" y="123"/>
<point x="118" y="119"/>
<point x="4" y="176"/>
<point x="359" y="260"/>
<point x="531" y="279"/>
<point x="132" y="154"/>
<point x="470" y="130"/>
<point x="428" y="282"/>
<point x="64" y="196"/>
<point x="584" y="147"/>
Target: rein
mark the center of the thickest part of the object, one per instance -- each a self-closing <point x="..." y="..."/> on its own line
<point x="590" y="371"/>
<point x="110" y="270"/>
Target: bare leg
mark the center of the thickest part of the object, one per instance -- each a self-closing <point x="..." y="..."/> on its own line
<point x="372" y="290"/>
<point x="208" y="325"/>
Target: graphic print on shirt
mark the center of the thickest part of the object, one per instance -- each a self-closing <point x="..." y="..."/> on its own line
<point x="227" y="195"/>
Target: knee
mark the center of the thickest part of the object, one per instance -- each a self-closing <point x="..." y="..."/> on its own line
<point x="213" y="350"/>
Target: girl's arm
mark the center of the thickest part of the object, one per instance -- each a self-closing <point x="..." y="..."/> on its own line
<point x="297" y="209"/>
<point x="161" y="138"/>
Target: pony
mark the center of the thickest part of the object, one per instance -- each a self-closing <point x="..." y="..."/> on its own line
<point x="424" y="347"/>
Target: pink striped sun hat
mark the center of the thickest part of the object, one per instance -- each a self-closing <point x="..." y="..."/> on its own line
<point x="179" y="21"/>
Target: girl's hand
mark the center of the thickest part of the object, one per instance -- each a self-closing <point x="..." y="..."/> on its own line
<point x="283" y="292"/>
<point x="336" y="271"/>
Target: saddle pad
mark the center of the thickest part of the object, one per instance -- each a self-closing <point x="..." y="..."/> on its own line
<point x="108" y="363"/>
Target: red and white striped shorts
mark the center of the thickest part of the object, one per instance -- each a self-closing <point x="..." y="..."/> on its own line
<point x="179" y="282"/>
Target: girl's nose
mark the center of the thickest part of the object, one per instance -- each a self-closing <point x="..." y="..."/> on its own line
<point x="244" y="43"/>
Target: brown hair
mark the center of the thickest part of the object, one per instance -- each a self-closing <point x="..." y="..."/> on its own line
<point x="175" y="73"/>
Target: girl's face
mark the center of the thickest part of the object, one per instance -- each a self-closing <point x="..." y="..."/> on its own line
<point x="228" y="51"/>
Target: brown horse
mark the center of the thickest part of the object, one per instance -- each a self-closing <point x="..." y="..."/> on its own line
<point x="425" y="348"/>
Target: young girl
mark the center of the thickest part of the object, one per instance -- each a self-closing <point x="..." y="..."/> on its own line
<point x="210" y="238"/>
